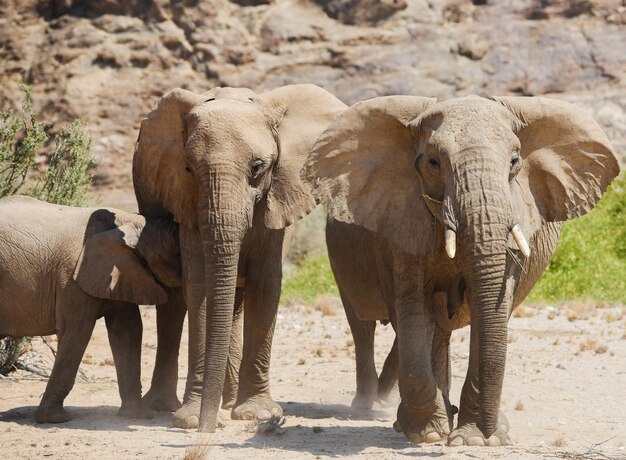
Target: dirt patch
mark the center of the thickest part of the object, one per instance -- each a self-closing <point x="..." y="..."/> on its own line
<point x="563" y="398"/>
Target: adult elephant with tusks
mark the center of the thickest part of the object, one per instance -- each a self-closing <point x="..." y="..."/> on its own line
<point x="225" y="165"/>
<point x="442" y="214"/>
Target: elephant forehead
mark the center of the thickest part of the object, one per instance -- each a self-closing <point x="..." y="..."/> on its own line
<point x="462" y="122"/>
<point x="223" y="122"/>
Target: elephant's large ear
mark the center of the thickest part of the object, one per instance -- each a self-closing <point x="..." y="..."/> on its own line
<point x="162" y="184"/>
<point x="300" y="114"/>
<point x="108" y="268"/>
<point x="567" y="160"/>
<point x="362" y="169"/>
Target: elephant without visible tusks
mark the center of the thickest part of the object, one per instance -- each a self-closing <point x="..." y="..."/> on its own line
<point x="62" y="268"/>
<point x="442" y="214"/>
<point x="225" y="165"/>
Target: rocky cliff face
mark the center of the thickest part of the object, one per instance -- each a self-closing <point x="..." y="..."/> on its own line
<point x="107" y="62"/>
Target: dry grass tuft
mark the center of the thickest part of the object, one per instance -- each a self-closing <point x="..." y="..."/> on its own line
<point x="571" y="316"/>
<point x="107" y="362"/>
<point x="561" y="441"/>
<point x="88" y="359"/>
<point x="318" y="352"/>
<point x="273" y="426"/>
<point x="301" y="362"/>
<point x="612" y="316"/>
<point x="327" y="305"/>
<point x="580" y="311"/>
<point x="588" y="344"/>
<point x="519" y="405"/>
<point x="524" y="312"/>
<point x="601" y="349"/>
<point x="199" y="451"/>
<point x="511" y="337"/>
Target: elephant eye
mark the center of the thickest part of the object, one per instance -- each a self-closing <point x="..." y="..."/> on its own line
<point x="516" y="164"/>
<point x="434" y="162"/>
<point x="257" y="167"/>
<point x="515" y="160"/>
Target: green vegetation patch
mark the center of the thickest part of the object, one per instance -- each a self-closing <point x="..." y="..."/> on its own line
<point x="63" y="179"/>
<point x="308" y="280"/>
<point x="590" y="262"/>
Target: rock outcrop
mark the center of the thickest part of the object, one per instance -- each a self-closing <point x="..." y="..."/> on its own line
<point x="107" y="62"/>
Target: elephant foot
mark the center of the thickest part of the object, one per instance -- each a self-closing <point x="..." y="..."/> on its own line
<point x="364" y="401"/>
<point x="424" y="426"/>
<point x="468" y="434"/>
<point x="385" y="388"/>
<point x="229" y="398"/>
<point x="187" y="416"/>
<point x="135" y="410"/>
<point x="52" y="415"/>
<point x="161" y="401"/>
<point x="260" y="407"/>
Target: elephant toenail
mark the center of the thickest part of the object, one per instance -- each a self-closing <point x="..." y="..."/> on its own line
<point x="476" y="441"/>
<point x="493" y="441"/>
<point x="431" y="437"/>
<point x="456" y="441"/>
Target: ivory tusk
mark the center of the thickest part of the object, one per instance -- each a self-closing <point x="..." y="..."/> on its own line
<point x="520" y="240"/>
<point x="450" y="243"/>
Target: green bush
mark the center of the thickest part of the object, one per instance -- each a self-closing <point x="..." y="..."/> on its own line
<point x="590" y="261"/>
<point x="308" y="280"/>
<point x="66" y="179"/>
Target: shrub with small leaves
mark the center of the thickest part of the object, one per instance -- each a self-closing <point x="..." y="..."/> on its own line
<point x="66" y="179"/>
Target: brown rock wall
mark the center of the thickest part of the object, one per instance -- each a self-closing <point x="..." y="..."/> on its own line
<point x="107" y="62"/>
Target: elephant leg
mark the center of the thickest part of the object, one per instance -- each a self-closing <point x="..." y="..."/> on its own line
<point x="366" y="376"/>
<point x="442" y="368"/>
<point x="262" y="293"/>
<point x="231" y="383"/>
<point x="170" y="318"/>
<point x="188" y="415"/>
<point x="389" y="375"/>
<point x="73" y="340"/>
<point x="467" y="431"/>
<point x="125" y="330"/>
<point x="422" y="414"/>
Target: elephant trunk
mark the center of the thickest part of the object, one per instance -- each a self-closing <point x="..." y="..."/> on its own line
<point x="484" y="223"/>
<point x="223" y="224"/>
<point x="490" y="313"/>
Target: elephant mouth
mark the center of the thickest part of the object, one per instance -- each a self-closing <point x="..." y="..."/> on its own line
<point x="434" y="203"/>
<point x="516" y="233"/>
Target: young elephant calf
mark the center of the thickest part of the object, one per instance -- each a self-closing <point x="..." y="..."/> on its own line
<point x="62" y="268"/>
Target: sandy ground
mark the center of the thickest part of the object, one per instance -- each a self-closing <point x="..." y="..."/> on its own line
<point x="564" y="394"/>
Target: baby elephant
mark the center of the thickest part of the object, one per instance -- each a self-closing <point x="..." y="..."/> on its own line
<point x="62" y="268"/>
